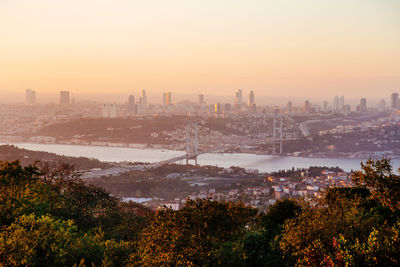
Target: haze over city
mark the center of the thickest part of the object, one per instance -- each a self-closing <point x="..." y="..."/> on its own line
<point x="200" y="133"/>
<point x="277" y="48"/>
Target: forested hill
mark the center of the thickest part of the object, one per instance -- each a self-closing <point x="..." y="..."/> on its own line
<point x="26" y="157"/>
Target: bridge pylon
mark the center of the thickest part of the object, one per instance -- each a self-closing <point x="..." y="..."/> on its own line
<point x="277" y="134"/>
<point x="192" y="142"/>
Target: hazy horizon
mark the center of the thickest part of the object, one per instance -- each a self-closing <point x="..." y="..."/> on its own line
<point x="277" y="48"/>
<point x="156" y="98"/>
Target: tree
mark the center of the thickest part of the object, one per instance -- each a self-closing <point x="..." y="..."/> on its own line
<point x="203" y="233"/>
<point x="384" y="185"/>
<point x="261" y="243"/>
<point x="355" y="226"/>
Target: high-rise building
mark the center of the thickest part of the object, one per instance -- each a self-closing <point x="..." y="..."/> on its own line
<point x="30" y="97"/>
<point x="106" y="111"/>
<point x="336" y="104"/>
<point x="289" y="107"/>
<point x="113" y="111"/>
<point x="239" y="99"/>
<point x="341" y="104"/>
<point x="363" y="104"/>
<point x="143" y="103"/>
<point x="227" y="108"/>
<point x="217" y="109"/>
<point x="251" y="99"/>
<point x="201" y="100"/>
<point x="394" y="101"/>
<point x="325" y="106"/>
<point x="110" y="111"/>
<point x="167" y="99"/>
<point x="306" y="106"/>
<point x="381" y="105"/>
<point x="131" y="105"/>
<point x="64" y="97"/>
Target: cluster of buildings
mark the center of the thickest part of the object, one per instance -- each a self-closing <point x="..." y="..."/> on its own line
<point x="31" y="97"/>
<point x="25" y="120"/>
<point x="338" y="106"/>
<point x="239" y="106"/>
<point x="142" y="107"/>
<point x="270" y="190"/>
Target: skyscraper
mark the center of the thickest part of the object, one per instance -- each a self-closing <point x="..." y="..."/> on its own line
<point x="363" y="104"/>
<point x="30" y="97"/>
<point x="64" y="97"/>
<point x="143" y="102"/>
<point x="131" y="105"/>
<point x="341" y="104"/>
<point x="336" y="104"/>
<point x="239" y="99"/>
<point x="289" y="107"/>
<point x="217" y="109"/>
<point x="306" y="106"/>
<point x="167" y="99"/>
<point x="110" y="111"/>
<point x="201" y="100"/>
<point x="325" y="104"/>
<point x="394" y="101"/>
<point x="251" y="99"/>
<point x="381" y="105"/>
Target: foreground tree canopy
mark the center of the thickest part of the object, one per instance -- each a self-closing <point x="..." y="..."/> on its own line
<point x="49" y="217"/>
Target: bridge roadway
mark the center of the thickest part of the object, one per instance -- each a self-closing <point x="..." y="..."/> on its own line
<point x="114" y="171"/>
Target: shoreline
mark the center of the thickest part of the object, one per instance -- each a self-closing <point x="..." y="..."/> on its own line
<point x="167" y="149"/>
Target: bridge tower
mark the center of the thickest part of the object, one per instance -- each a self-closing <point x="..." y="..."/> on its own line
<point x="192" y="142"/>
<point x="277" y="135"/>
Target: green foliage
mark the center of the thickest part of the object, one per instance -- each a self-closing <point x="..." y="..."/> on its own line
<point x="261" y="244"/>
<point x="49" y="217"/>
<point x="203" y="233"/>
<point x="380" y="179"/>
<point x="349" y="226"/>
<point x="46" y="241"/>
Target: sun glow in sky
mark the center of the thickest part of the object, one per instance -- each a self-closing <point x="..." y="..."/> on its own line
<point x="275" y="47"/>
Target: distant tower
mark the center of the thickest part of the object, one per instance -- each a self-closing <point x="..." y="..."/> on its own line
<point x="113" y="111"/>
<point x="30" y="97"/>
<point x="131" y="105"/>
<point x="64" y="97"/>
<point x="227" y="108"/>
<point x="381" y="105"/>
<point x="167" y="99"/>
<point x="341" y="104"/>
<point x="164" y="100"/>
<point x="251" y="99"/>
<point x="201" y="100"/>
<point x="363" y="105"/>
<point x="217" y="109"/>
<point x="306" y="106"/>
<point x="289" y="107"/>
<point x="239" y="100"/>
<point x="143" y="103"/>
<point x="394" y="101"/>
<point x="325" y="106"/>
<point x="336" y="104"/>
<point x="106" y="111"/>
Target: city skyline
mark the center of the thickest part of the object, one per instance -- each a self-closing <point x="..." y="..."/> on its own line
<point x="277" y="48"/>
<point x="158" y="98"/>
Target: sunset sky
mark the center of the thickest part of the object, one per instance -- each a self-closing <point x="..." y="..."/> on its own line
<point x="277" y="48"/>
